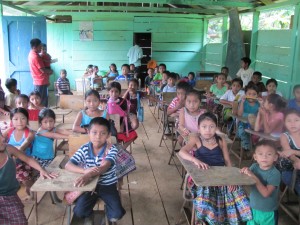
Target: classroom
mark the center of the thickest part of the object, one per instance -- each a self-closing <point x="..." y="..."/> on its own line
<point x="150" y="112"/>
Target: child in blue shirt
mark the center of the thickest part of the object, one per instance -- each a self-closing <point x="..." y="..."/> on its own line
<point x="170" y="87"/>
<point x="295" y="102"/>
<point x="124" y="75"/>
<point x="97" y="158"/>
<point x="191" y="77"/>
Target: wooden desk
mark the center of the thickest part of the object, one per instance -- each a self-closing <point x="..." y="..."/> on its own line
<point x="262" y="135"/>
<point x="216" y="175"/>
<point x="62" y="112"/>
<point x="240" y="118"/>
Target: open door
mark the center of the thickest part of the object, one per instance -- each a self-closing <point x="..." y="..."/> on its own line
<point x="17" y="33"/>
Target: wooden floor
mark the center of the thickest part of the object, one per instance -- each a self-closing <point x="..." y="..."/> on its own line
<point x="151" y="195"/>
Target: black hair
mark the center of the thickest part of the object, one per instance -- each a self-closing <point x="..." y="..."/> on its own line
<point x="297" y="86"/>
<point x="225" y="68"/>
<point x="164" y="65"/>
<point x="132" y="64"/>
<point x="35" y="93"/>
<point x="246" y="60"/>
<point x="10" y="82"/>
<point x="90" y="66"/>
<point x="272" y="80"/>
<point x="252" y="87"/>
<point x="116" y="85"/>
<point x="257" y="73"/>
<point x="134" y="80"/>
<point x="100" y="121"/>
<point x="46" y="113"/>
<point x="19" y="110"/>
<point x="126" y="65"/>
<point x="268" y="143"/>
<point x="63" y="71"/>
<point x="221" y="74"/>
<point x="238" y="80"/>
<point x="209" y="116"/>
<point x="35" y="42"/>
<point x="278" y="102"/>
<point x="44" y="45"/>
<point x="167" y="72"/>
<point x="195" y="93"/>
<point x="184" y="86"/>
<point x="291" y="111"/>
<point x="192" y="73"/>
<point x="173" y="76"/>
<point x="96" y="67"/>
<point x="23" y="96"/>
<point x="92" y="92"/>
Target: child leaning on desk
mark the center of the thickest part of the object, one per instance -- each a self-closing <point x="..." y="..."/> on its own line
<point x="97" y="158"/>
<point x="11" y="207"/>
<point x="209" y="202"/>
<point x="264" y="194"/>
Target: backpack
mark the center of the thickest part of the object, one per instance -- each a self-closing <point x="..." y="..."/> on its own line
<point x="27" y="131"/>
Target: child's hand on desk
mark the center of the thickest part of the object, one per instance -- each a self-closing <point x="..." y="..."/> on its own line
<point x="92" y="169"/>
<point x="45" y="175"/>
<point x="247" y="171"/>
<point x="82" y="181"/>
<point x="200" y="165"/>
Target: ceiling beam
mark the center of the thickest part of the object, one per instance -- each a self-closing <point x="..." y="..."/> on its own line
<point x="225" y="3"/>
<point x="266" y="2"/>
<point x="21" y="9"/>
<point x="66" y="8"/>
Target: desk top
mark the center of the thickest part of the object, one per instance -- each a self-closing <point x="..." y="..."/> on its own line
<point x="262" y="135"/>
<point x="60" y="111"/>
<point x="216" y="175"/>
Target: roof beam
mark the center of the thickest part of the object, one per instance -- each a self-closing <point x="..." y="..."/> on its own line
<point x="224" y="3"/>
<point x="20" y="9"/>
<point x="66" y="8"/>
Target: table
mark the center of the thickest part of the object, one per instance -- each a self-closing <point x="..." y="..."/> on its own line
<point x="262" y="135"/>
<point x="216" y="175"/>
<point x="64" y="182"/>
<point x="62" y="112"/>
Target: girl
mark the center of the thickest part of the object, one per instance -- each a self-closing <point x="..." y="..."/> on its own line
<point x="42" y="149"/>
<point x="271" y="86"/>
<point x="11" y="207"/>
<point x="35" y="100"/>
<point x="21" y="137"/>
<point x="88" y="72"/>
<point x="290" y="142"/>
<point x="211" y="150"/>
<point x="97" y="82"/>
<point x="84" y="117"/>
<point x="248" y="105"/>
<point x="270" y="118"/>
<point x="112" y="73"/>
<point x="189" y="115"/>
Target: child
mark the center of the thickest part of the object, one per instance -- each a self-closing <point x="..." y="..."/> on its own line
<point x="248" y="105"/>
<point x="124" y="75"/>
<point x="271" y="86"/>
<point x="22" y="101"/>
<point x="264" y="194"/>
<point x="132" y="73"/>
<point x="290" y="140"/>
<point x="83" y="118"/>
<point x="11" y="207"/>
<point x="88" y="72"/>
<point x="170" y="87"/>
<point x="11" y="85"/>
<point x="256" y="80"/>
<point x="211" y="150"/>
<point x="225" y="70"/>
<point x="2" y="102"/>
<point x="131" y="96"/>
<point x="158" y="75"/>
<point x="112" y="73"/>
<point x="21" y="137"/>
<point x="35" y="101"/>
<point x="96" y="80"/>
<point x="63" y="84"/>
<point x="164" y="80"/>
<point x="178" y="102"/>
<point x="270" y="118"/>
<point x="97" y="158"/>
<point x="295" y="102"/>
<point x="188" y="117"/>
<point x="47" y="59"/>
<point x="245" y="72"/>
<point x="42" y="149"/>
<point x="148" y="80"/>
<point x="191" y="79"/>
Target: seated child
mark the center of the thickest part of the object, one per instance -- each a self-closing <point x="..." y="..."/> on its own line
<point x="23" y="102"/>
<point x="225" y="70"/>
<point x="11" y="207"/>
<point x="264" y="194"/>
<point x="271" y="86"/>
<point x="270" y="117"/>
<point x="63" y="84"/>
<point x="96" y="80"/>
<point x="112" y="73"/>
<point x="97" y="158"/>
<point x="256" y="80"/>
<point x="3" y="109"/>
<point x="245" y="72"/>
<point x="132" y="73"/>
<point x="35" y="101"/>
<point x="164" y="81"/>
<point x="124" y="75"/>
<point x="11" y="85"/>
<point x="84" y="117"/>
<point x="248" y="105"/>
<point x="191" y="79"/>
<point x="87" y="75"/>
<point x="170" y="87"/>
<point x="158" y="74"/>
<point x="295" y="102"/>
<point x="148" y="80"/>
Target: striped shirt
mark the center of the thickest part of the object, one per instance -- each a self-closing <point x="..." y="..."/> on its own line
<point x="63" y="84"/>
<point x="84" y="157"/>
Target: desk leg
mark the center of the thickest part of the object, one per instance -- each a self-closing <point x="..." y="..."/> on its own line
<point x="63" y="118"/>
<point x="35" y="206"/>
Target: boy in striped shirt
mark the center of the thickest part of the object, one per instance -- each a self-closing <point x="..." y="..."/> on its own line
<point x="97" y="158"/>
<point x="63" y="84"/>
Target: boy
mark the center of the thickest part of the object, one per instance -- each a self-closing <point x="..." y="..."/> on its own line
<point x="170" y="87"/>
<point x="264" y="194"/>
<point x="148" y="80"/>
<point x="97" y="158"/>
<point x="124" y="75"/>
<point x="22" y="101"/>
<point x="245" y="72"/>
<point x="47" y="59"/>
<point x="256" y="80"/>
<point x="63" y="84"/>
<point x="191" y="79"/>
<point x="295" y="102"/>
<point x="225" y="70"/>
<point x="11" y="85"/>
<point x="158" y="76"/>
<point x="164" y="80"/>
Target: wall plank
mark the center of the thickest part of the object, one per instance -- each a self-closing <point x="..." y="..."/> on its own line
<point x="173" y="47"/>
<point x="178" y="37"/>
<point x="280" y="38"/>
<point x="107" y="36"/>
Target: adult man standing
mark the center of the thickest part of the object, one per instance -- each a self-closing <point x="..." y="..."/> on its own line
<point x="39" y="73"/>
<point x="135" y="54"/>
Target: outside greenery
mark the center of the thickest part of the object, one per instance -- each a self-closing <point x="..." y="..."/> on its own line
<point x="276" y="19"/>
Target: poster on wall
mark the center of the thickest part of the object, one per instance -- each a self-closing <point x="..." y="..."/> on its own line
<point x="86" y="32"/>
